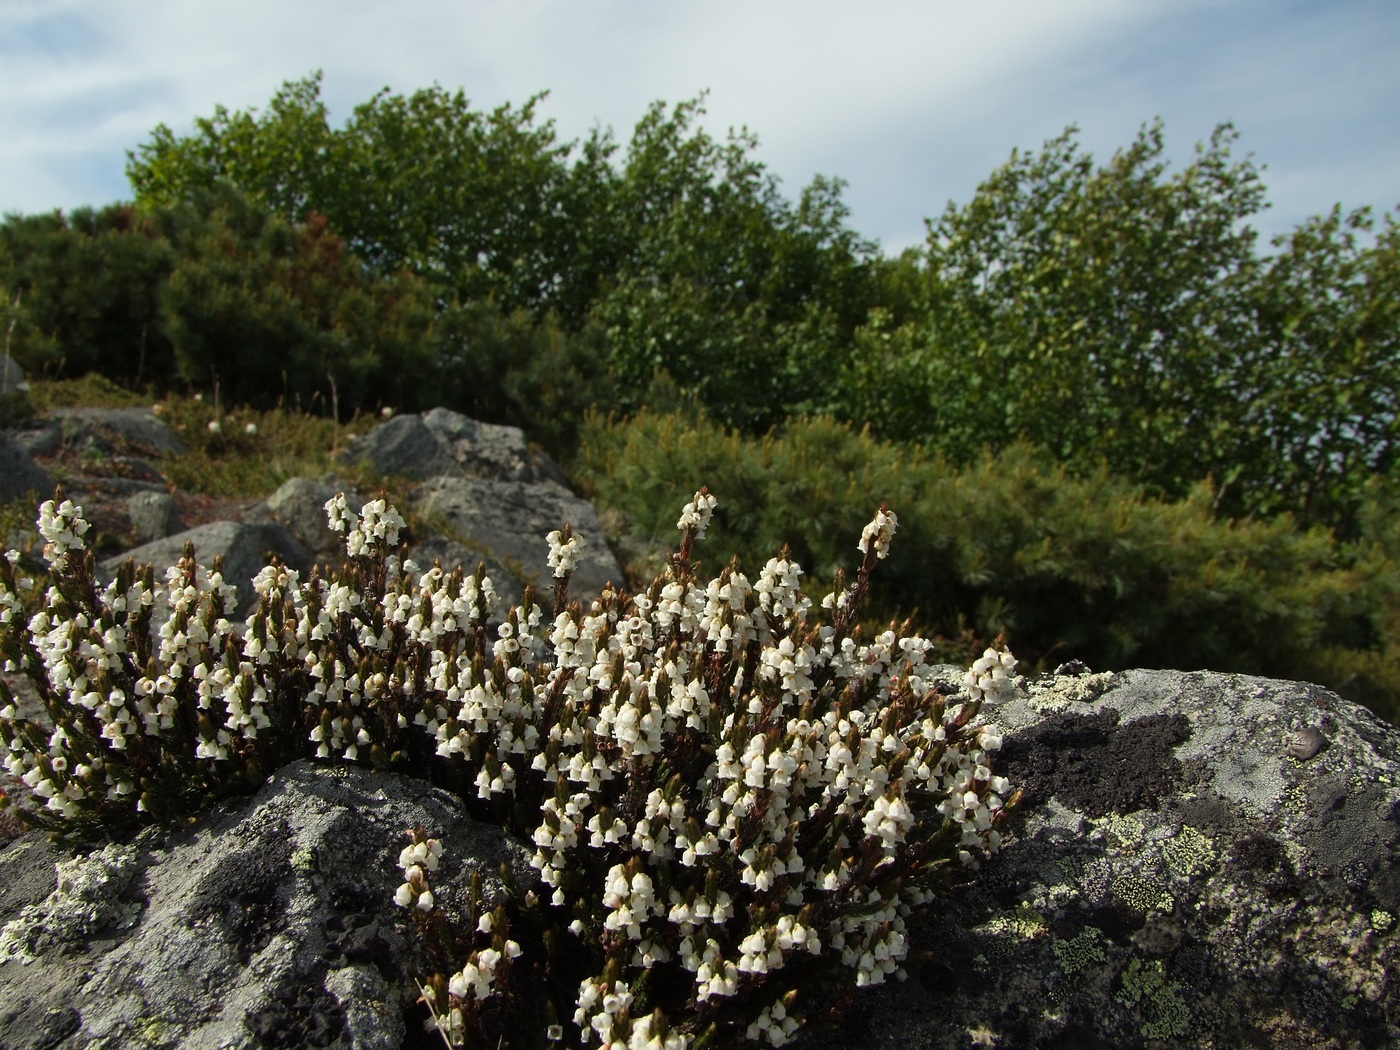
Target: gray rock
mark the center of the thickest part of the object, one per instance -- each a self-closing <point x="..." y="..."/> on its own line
<point x="246" y="549"/>
<point x="1180" y="876"/>
<point x="484" y="449"/>
<point x="43" y="437"/>
<point x="19" y="474"/>
<point x="153" y="515"/>
<point x="10" y="373"/>
<point x="507" y="522"/>
<point x="443" y="442"/>
<point x="402" y="446"/>
<point x="269" y="923"/>
<point x="300" y="505"/>
<point x="108" y="428"/>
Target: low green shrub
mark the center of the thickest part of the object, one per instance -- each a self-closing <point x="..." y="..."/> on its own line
<point x="736" y="805"/>
<point x="1068" y="566"/>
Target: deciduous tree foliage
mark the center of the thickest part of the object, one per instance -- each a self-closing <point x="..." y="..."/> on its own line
<point x="682" y="249"/>
<point x="1123" y="314"/>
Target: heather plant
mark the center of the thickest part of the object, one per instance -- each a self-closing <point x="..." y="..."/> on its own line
<point x="736" y="803"/>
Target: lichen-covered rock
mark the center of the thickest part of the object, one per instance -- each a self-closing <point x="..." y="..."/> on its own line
<point x="116" y="429"/>
<point x="268" y="923"/>
<point x="443" y="442"/>
<point x="300" y="505"/>
<point x="507" y="523"/>
<point x="153" y="515"/>
<point x="1202" y="860"/>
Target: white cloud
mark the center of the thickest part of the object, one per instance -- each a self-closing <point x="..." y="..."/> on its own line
<point x="913" y="102"/>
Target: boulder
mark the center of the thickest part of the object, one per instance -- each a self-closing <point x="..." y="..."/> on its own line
<point x="1201" y="860"/>
<point x="11" y="374"/>
<point x="153" y="515"/>
<point x="443" y="442"/>
<point x="245" y="548"/>
<point x="269" y="922"/>
<point x="507" y="522"/>
<point x="19" y="474"/>
<point x="300" y="505"/>
<point x="108" y="429"/>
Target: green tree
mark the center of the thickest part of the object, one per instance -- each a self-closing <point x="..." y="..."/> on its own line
<point x="276" y="310"/>
<point x="86" y="290"/>
<point x="1121" y="314"/>
<point x="1319" y="404"/>
<point x="742" y="298"/>
<point x="680" y="248"/>
<point x="1093" y="311"/>
<point x="467" y="200"/>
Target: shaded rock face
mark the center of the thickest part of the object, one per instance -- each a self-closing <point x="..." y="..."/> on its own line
<point x="19" y="474"/>
<point x="109" y="429"/>
<point x="300" y="505"/>
<point x="269" y="923"/>
<point x="1178" y="878"/>
<point x="443" y="442"/>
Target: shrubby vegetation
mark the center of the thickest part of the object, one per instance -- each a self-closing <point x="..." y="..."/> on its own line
<point x="1071" y="566"/>
<point x="1070" y="315"/>
<point x="736" y="805"/>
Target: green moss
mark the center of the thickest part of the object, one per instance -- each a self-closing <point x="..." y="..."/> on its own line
<point x="1158" y="1000"/>
<point x="1381" y="920"/>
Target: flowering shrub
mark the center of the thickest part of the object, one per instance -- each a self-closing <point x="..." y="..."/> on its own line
<point x="735" y="807"/>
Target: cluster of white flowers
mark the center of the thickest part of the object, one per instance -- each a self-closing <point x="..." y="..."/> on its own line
<point x="719" y="782"/>
<point x="420" y="856"/>
<point x="563" y="554"/>
<point x="805" y="735"/>
<point x="696" y="514"/>
<point x="879" y="532"/>
<point x="990" y="675"/>
<point x="62" y="528"/>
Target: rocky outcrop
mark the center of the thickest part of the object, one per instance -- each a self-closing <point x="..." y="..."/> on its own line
<point x="268" y="923"/>
<point x="443" y="442"/>
<point x="507" y="522"/>
<point x="1200" y="860"/>
<point x="486" y="496"/>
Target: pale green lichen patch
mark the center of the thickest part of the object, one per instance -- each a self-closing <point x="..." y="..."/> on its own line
<point x="1188" y="852"/>
<point x="1128" y="830"/>
<point x="1142" y="894"/>
<point x="304" y="860"/>
<point x="1007" y="932"/>
<point x="1080" y="952"/>
<point x="1063" y="691"/>
<point x="1381" y="920"/>
<point x="88" y="898"/>
<point x="1164" y="1012"/>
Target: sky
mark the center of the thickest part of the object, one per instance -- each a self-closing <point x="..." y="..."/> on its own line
<point x="912" y="102"/>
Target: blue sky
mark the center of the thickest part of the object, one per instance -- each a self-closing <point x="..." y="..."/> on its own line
<point x="913" y="103"/>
